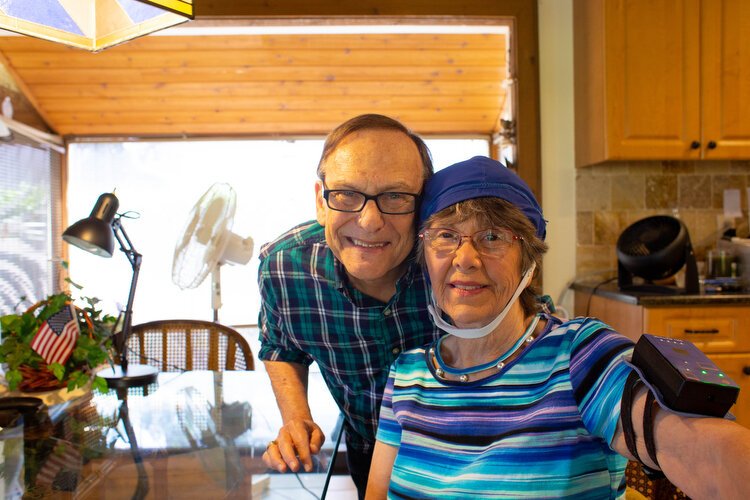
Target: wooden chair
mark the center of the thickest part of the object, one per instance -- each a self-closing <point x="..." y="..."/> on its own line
<point x="184" y="344"/>
<point x="641" y="487"/>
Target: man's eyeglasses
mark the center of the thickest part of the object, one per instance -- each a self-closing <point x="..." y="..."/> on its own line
<point x="493" y="242"/>
<point x="390" y="202"/>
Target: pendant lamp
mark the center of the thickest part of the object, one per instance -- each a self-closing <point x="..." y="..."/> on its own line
<point x="92" y="24"/>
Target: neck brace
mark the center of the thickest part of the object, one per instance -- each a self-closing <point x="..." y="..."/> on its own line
<point x="477" y="333"/>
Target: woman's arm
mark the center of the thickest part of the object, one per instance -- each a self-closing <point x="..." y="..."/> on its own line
<point x="380" y="471"/>
<point x="704" y="457"/>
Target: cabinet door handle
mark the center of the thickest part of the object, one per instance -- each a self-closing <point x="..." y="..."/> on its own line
<point x="711" y="145"/>
<point x="695" y="145"/>
<point x="746" y="370"/>
<point x="712" y="331"/>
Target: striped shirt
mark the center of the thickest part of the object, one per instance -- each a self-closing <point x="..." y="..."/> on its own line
<point x="539" y="428"/>
<point x="310" y="312"/>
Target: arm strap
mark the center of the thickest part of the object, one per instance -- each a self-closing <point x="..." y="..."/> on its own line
<point x="632" y="383"/>
<point x="626" y="412"/>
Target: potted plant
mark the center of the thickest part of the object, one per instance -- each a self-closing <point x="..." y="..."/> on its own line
<point x="29" y="371"/>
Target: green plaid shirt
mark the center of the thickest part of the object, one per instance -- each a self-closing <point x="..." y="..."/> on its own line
<point x="311" y="313"/>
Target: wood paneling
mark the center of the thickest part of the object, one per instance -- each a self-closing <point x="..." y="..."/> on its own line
<point x="24" y="109"/>
<point x="265" y="84"/>
<point x="521" y="15"/>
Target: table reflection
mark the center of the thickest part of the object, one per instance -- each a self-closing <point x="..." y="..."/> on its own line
<point x="192" y="434"/>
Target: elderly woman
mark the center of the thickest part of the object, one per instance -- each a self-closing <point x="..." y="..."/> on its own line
<point x="512" y="402"/>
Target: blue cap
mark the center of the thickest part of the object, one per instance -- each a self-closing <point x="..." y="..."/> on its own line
<point x="480" y="177"/>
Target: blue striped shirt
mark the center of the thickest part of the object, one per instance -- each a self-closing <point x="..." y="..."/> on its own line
<point x="310" y="312"/>
<point x="540" y="428"/>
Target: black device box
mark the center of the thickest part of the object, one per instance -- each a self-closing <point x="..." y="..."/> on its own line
<point x="687" y="380"/>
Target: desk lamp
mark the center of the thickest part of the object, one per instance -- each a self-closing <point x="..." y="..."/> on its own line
<point x="95" y="235"/>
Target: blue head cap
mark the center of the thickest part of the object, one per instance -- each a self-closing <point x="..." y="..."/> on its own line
<point x="480" y="177"/>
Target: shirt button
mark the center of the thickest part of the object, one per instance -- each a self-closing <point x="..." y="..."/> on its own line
<point x="396" y="350"/>
<point x="387" y="312"/>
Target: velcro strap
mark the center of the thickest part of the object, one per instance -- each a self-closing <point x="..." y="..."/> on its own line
<point x="648" y="427"/>
<point x="626" y="412"/>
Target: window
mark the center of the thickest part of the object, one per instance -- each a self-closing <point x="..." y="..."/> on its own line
<point x="29" y="223"/>
<point x="162" y="181"/>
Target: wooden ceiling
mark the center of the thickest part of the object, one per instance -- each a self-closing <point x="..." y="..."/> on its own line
<point x="260" y="85"/>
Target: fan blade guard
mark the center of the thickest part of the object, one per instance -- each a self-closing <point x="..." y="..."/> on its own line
<point x="205" y="236"/>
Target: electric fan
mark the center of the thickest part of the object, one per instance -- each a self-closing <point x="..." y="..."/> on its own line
<point x="207" y="243"/>
<point x="655" y="248"/>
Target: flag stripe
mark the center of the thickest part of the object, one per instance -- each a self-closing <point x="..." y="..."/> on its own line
<point x="57" y="337"/>
<point x="63" y="349"/>
<point x="62" y="346"/>
<point x="43" y="340"/>
<point x="69" y="459"/>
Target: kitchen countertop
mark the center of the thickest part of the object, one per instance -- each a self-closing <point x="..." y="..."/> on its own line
<point x="610" y="290"/>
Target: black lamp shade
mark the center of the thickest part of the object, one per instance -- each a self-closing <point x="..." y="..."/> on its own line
<point x="94" y="233"/>
<point x="97" y="234"/>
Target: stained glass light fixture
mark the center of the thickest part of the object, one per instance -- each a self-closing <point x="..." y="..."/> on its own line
<point x="92" y="24"/>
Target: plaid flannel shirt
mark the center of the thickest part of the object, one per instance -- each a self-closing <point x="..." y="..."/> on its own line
<point x="310" y="312"/>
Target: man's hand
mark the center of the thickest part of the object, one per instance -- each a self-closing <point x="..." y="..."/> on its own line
<point x="297" y="442"/>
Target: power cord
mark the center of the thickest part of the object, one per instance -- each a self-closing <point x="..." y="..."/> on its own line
<point x="588" y="304"/>
<point x="569" y="285"/>
<point x="338" y="431"/>
<point x="305" y="487"/>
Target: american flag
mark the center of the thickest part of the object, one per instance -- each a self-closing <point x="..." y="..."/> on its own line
<point x="63" y="458"/>
<point x="57" y="336"/>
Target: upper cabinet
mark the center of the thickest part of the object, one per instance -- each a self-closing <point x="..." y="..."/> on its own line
<point x="661" y="80"/>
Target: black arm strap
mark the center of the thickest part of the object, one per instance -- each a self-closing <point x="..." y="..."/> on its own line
<point x="648" y="426"/>
<point x="632" y="383"/>
<point x="626" y="412"/>
<point x="648" y="436"/>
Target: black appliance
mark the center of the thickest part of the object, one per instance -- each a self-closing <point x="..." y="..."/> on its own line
<point x="656" y="248"/>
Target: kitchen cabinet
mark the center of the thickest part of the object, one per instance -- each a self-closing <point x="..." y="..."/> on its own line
<point x="661" y="80"/>
<point x="722" y="332"/>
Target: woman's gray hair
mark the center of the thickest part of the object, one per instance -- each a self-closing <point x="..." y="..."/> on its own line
<point x="496" y="212"/>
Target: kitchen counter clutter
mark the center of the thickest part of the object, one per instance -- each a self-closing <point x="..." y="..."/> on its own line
<point x="718" y="324"/>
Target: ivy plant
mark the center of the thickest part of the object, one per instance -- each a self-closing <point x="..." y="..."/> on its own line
<point x="92" y="349"/>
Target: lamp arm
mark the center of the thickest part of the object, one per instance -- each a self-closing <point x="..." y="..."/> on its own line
<point x="135" y="259"/>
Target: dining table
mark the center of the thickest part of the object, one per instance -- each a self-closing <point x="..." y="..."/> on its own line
<point x="191" y="434"/>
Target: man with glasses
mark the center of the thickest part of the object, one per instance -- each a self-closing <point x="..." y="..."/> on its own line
<point x="344" y="291"/>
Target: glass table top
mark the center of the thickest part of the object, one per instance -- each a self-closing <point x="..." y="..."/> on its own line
<point x="193" y="434"/>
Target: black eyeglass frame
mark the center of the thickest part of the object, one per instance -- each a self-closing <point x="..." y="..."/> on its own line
<point x="367" y="197"/>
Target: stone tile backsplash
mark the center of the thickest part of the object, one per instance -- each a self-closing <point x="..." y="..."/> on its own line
<point x="610" y="197"/>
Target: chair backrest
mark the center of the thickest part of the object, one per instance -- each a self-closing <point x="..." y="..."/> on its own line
<point x="184" y="344"/>
<point x="650" y="489"/>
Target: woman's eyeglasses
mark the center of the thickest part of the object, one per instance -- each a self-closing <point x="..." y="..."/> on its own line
<point x="494" y="241"/>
